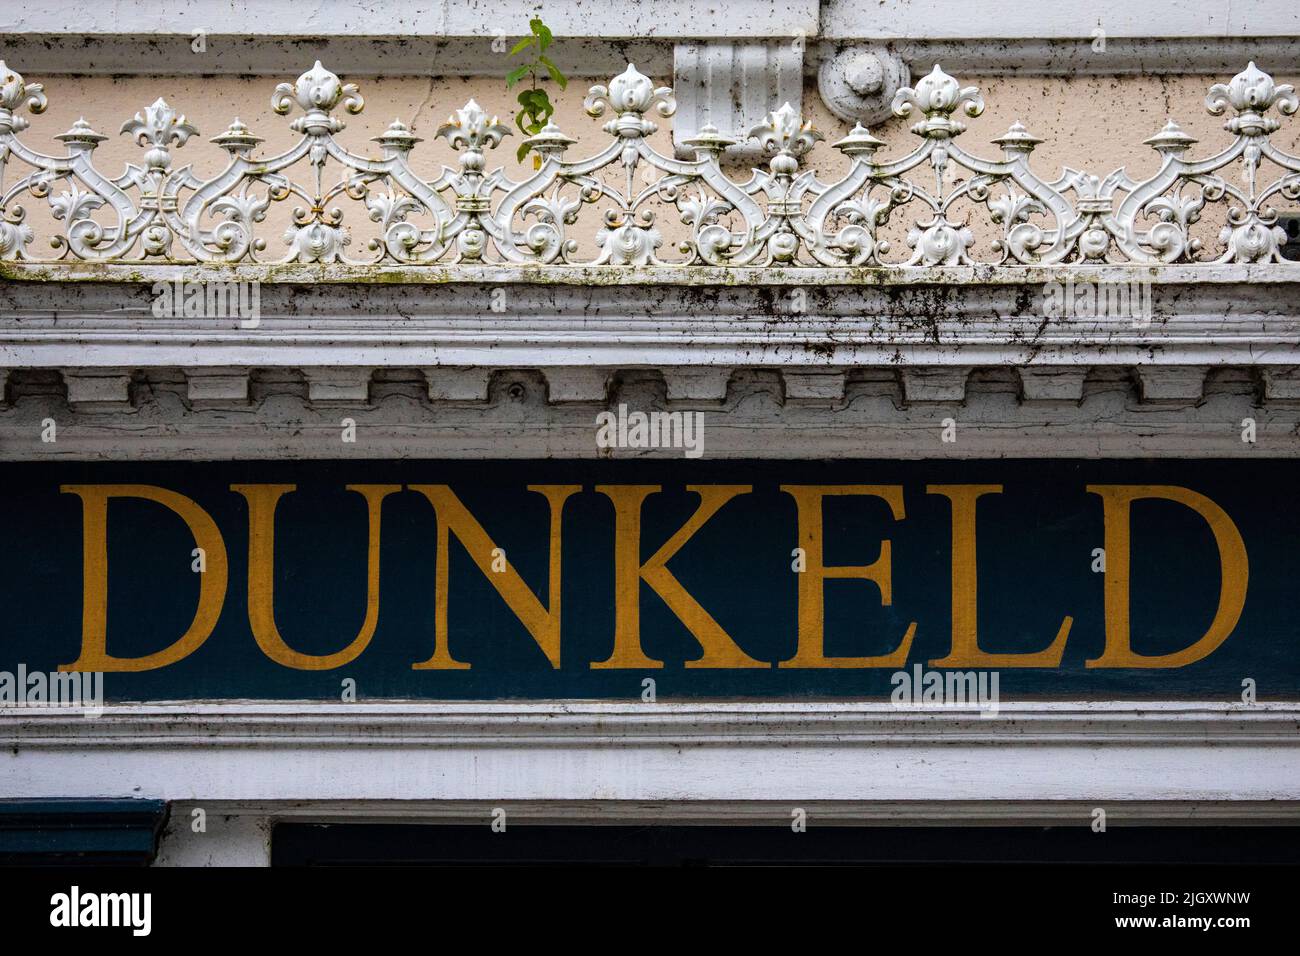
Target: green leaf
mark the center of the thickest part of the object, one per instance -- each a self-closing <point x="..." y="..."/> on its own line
<point x="537" y="104"/>
<point x="542" y="31"/>
<point x="544" y="109"/>
<point x="522" y="152"/>
<point x="517" y="74"/>
<point x="561" y="80"/>
<point x="529" y="122"/>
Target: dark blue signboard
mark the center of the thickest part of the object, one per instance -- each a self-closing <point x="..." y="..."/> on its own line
<point x="541" y="579"/>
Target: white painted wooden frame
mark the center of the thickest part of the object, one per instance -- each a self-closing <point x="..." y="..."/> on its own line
<point x="248" y="764"/>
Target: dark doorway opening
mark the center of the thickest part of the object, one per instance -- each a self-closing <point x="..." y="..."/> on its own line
<point x="348" y="844"/>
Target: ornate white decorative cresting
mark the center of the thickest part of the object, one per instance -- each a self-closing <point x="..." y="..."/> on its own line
<point x="782" y="215"/>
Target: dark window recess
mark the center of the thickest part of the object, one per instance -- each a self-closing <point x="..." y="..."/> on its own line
<point x="1290" y="221"/>
<point x="300" y="844"/>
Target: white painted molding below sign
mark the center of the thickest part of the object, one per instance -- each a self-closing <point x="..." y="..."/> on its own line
<point x="724" y="754"/>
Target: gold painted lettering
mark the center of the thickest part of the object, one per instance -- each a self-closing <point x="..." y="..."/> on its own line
<point x="94" y="613"/>
<point x="1233" y="564"/>
<point x="262" y="501"/>
<point x="811" y="649"/>
<point x="543" y="623"/>
<point x="965" y="651"/>
<point x="720" y="650"/>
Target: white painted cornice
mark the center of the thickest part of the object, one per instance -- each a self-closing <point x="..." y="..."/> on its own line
<point x="101" y="317"/>
<point x="877" y="360"/>
<point x="835" y="19"/>
<point x="669" y="19"/>
<point x="449" y="39"/>
<point x="359" y="56"/>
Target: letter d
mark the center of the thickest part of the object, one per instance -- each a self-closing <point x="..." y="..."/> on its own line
<point x="94" y="614"/>
<point x="1234" y="573"/>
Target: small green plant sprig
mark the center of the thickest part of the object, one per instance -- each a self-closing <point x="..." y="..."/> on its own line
<point x="535" y="105"/>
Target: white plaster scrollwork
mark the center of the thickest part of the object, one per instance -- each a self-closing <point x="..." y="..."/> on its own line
<point x="159" y="209"/>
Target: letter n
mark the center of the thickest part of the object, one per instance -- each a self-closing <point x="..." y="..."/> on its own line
<point x="543" y="623"/>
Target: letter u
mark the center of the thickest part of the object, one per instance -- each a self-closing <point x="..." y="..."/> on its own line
<point x="262" y="500"/>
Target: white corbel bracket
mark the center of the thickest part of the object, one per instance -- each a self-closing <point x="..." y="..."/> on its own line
<point x="697" y="384"/>
<point x="216" y="386"/>
<point x="578" y="384"/>
<point x="733" y="86"/>
<point x="945" y="383"/>
<point x="458" y="384"/>
<point x="340" y="384"/>
<point x="1282" y="384"/>
<point x="1172" y="384"/>
<point x="822" y="386"/>
<point x="1052" y="383"/>
<point x="100" y="388"/>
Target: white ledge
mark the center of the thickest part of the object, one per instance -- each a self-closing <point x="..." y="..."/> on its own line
<point x="204" y="724"/>
<point x="890" y="19"/>
<point x="660" y="318"/>
<point x="150" y="272"/>
<point x="152" y="54"/>
<point x="591" y="751"/>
